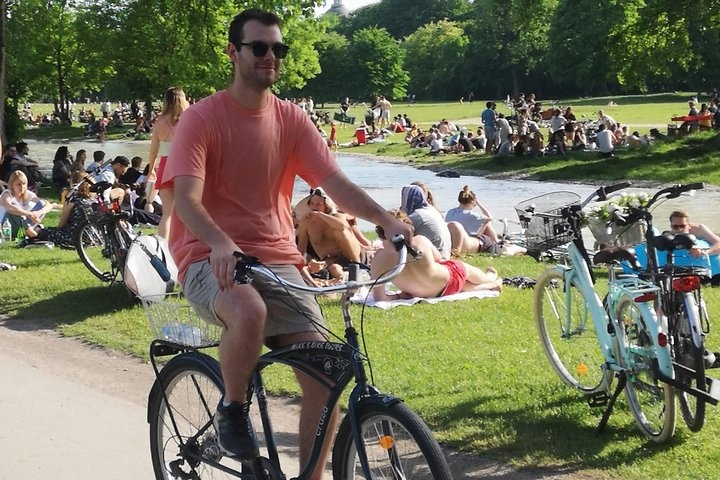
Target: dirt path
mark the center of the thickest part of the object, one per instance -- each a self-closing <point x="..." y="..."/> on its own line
<point x="77" y="411"/>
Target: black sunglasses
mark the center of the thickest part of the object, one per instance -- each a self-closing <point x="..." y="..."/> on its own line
<point x="259" y="48"/>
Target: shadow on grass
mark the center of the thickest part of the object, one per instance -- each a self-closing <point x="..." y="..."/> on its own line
<point x="69" y="307"/>
<point x="550" y="433"/>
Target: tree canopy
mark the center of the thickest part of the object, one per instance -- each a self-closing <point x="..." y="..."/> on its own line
<point x="61" y="50"/>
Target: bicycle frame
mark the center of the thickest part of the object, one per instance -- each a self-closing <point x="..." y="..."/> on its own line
<point x="331" y="364"/>
<point x="604" y="321"/>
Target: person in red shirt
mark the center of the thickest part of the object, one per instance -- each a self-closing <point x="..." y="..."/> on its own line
<point x="234" y="159"/>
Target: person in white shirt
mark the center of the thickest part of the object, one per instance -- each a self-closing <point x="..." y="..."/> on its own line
<point x="604" y="139"/>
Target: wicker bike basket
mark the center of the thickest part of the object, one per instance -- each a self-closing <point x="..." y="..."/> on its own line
<point x="543" y="233"/>
<point x="173" y="320"/>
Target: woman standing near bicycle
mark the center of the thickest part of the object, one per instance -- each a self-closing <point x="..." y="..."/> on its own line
<point x="174" y="104"/>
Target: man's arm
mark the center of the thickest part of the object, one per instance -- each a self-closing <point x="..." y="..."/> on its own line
<point x="355" y="201"/>
<point x="702" y="231"/>
<point x="190" y="210"/>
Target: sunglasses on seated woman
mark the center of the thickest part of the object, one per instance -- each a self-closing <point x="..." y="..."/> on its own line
<point x="259" y="49"/>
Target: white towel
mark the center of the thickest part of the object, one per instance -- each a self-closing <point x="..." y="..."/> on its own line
<point x="359" y="297"/>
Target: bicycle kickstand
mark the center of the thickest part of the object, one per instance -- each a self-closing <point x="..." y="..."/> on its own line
<point x="622" y="380"/>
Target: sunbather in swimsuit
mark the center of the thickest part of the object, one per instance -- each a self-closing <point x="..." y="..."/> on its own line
<point x="458" y="275"/>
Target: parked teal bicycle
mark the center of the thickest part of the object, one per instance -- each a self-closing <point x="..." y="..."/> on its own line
<point x="589" y="343"/>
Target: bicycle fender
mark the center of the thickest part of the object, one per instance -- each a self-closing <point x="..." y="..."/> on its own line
<point x="691" y="308"/>
<point x="664" y="357"/>
<point x="382" y="399"/>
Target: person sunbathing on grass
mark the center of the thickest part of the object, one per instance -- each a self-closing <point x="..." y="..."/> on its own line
<point x="330" y="236"/>
<point x="429" y="276"/>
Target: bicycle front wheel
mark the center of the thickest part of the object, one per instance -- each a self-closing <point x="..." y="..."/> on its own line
<point x="95" y="251"/>
<point x="567" y="333"/>
<point x="688" y="353"/>
<point x="652" y="402"/>
<point x="397" y="442"/>
<point x="193" y="388"/>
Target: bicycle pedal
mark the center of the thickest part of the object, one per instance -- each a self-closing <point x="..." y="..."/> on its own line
<point x="598" y="399"/>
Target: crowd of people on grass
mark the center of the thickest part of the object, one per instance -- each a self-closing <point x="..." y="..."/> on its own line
<point x="225" y="203"/>
<point x="330" y="240"/>
<point x="140" y="191"/>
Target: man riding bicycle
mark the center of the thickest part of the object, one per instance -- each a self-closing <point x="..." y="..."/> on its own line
<point x="235" y="157"/>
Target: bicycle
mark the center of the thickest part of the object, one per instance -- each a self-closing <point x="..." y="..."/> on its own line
<point x="590" y="344"/>
<point x="102" y="241"/>
<point x="379" y="437"/>
<point x="680" y="300"/>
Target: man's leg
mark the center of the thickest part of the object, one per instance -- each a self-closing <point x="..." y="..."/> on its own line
<point x="243" y="312"/>
<point x="312" y="407"/>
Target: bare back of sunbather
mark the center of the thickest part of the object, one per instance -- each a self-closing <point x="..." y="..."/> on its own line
<point x="330" y="236"/>
<point x="428" y="277"/>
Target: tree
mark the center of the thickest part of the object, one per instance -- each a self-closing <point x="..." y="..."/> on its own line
<point x="441" y="45"/>
<point x="400" y="17"/>
<point x="509" y="42"/>
<point x="377" y="65"/>
<point x="579" y="56"/>
<point x="336" y="66"/>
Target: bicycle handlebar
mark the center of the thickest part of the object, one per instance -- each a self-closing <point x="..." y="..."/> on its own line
<point x="643" y="213"/>
<point x="247" y="264"/>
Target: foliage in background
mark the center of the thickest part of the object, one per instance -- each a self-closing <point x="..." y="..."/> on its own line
<point x="442" y="45"/>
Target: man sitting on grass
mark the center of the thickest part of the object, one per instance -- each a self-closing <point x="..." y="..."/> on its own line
<point x="429" y="276"/>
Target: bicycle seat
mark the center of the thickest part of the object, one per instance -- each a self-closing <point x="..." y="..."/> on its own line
<point x="612" y="255"/>
<point x="668" y="242"/>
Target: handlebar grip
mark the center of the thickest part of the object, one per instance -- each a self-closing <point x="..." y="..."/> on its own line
<point x="399" y="242"/>
<point x="603" y="192"/>
<point x="693" y="186"/>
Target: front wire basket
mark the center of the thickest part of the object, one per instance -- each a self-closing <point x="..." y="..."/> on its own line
<point x="542" y="233"/>
<point x="173" y="320"/>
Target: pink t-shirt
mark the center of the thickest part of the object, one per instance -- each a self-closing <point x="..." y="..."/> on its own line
<point x="248" y="160"/>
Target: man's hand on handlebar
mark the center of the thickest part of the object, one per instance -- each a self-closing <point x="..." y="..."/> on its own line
<point x="223" y="261"/>
<point x="392" y="226"/>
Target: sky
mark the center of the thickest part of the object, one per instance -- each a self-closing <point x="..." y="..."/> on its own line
<point x="349" y="4"/>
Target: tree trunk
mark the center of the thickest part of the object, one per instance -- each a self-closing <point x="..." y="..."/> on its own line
<point x="3" y="15"/>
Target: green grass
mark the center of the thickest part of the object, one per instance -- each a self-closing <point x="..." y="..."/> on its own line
<point x="474" y="369"/>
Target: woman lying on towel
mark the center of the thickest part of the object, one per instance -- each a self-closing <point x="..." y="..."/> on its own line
<point x="430" y="276"/>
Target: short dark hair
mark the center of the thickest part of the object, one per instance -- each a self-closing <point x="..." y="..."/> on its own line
<point x="98" y="156"/>
<point x="235" y="32"/>
<point x="489" y="104"/>
<point x="136" y="162"/>
<point x="122" y="160"/>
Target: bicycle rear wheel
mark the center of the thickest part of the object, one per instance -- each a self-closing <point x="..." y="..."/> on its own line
<point x="652" y="402"/>
<point x="95" y="251"/>
<point x="193" y="388"/>
<point x="397" y="442"/>
<point x="688" y="353"/>
<point x="567" y="333"/>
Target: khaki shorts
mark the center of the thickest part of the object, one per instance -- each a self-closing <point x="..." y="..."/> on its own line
<point x="288" y="311"/>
